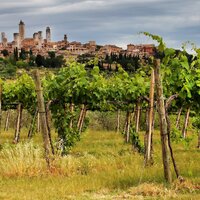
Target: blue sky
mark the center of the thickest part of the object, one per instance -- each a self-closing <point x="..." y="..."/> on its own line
<point x="106" y="21"/>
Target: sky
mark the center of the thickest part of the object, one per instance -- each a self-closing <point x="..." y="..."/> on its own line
<point x="105" y="21"/>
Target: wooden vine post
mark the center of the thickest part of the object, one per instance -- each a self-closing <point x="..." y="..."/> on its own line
<point x="163" y="122"/>
<point x="80" y="116"/>
<point x="42" y="114"/>
<point x="186" y="121"/>
<point x="18" y="124"/>
<point x="118" y="121"/>
<point x="82" y="119"/>
<point x="48" y="118"/>
<point x="167" y="105"/>
<point x="127" y="127"/>
<point x="148" y="156"/>
<point x="30" y="132"/>
<point x="71" y="113"/>
<point x="7" y="121"/>
<point x="178" y="117"/>
<point x="38" y="122"/>
<point x="137" y="116"/>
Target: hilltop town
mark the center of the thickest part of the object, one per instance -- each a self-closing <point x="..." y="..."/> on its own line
<point x="41" y="46"/>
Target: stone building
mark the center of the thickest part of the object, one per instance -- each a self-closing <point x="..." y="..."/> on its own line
<point x="76" y="48"/>
<point x="140" y="50"/>
<point x="109" y="49"/>
<point x="28" y="43"/>
<point x="149" y="49"/>
<point x="91" y="46"/>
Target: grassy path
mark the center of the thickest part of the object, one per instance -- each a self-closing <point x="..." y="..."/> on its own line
<point x="102" y="166"/>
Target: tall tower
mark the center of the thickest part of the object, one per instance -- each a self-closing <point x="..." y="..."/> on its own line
<point x="40" y="39"/>
<point x="3" y="35"/>
<point x="4" y="39"/>
<point x="48" y="34"/>
<point x="21" y="30"/>
<point x="36" y="37"/>
<point x="65" y="38"/>
<point x="16" y="40"/>
<point x="40" y="36"/>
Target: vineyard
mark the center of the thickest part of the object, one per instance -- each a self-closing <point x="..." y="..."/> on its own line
<point x="148" y="106"/>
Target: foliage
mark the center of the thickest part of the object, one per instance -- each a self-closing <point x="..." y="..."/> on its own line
<point x="196" y="122"/>
<point x="135" y="140"/>
<point x="161" y="44"/>
<point x="111" y="62"/>
<point x="7" y="70"/>
<point x="68" y="87"/>
<point x="124" y="89"/>
<point x="66" y="136"/>
<point x="5" y="52"/>
<point x="32" y="59"/>
<point x="74" y="85"/>
<point x="180" y="74"/>
<point x="52" y="61"/>
<point x="177" y="137"/>
<point x="21" y="64"/>
<point x="23" y="54"/>
<point x="39" y="60"/>
<point x="128" y="62"/>
<point x="21" y="90"/>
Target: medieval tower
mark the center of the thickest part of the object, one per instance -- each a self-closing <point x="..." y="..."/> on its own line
<point x="16" y="40"/>
<point x="40" y="37"/>
<point x="21" y="30"/>
<point x="65" y="38"/>
<point x="3" y="35"/>
<point x="4" y="39"/>
<point x="48" y="34"/>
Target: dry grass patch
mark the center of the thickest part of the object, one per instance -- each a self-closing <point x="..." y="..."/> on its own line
<point x="23" y="159"/>
<point x="186" y="186"/>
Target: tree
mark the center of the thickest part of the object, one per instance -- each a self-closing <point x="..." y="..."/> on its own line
<point x="5" y="52"/>
<point x="40" y="60"/>
<point x="30" y="52"/>
<point x="21" y="64"/>
<point x="52" y="54"/>
<point x="32" y="60"/>
<point x="23" y="54"/>
<point x="16" y="56"/>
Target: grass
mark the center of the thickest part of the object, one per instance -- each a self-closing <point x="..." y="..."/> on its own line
<point x="100" y="166"/>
